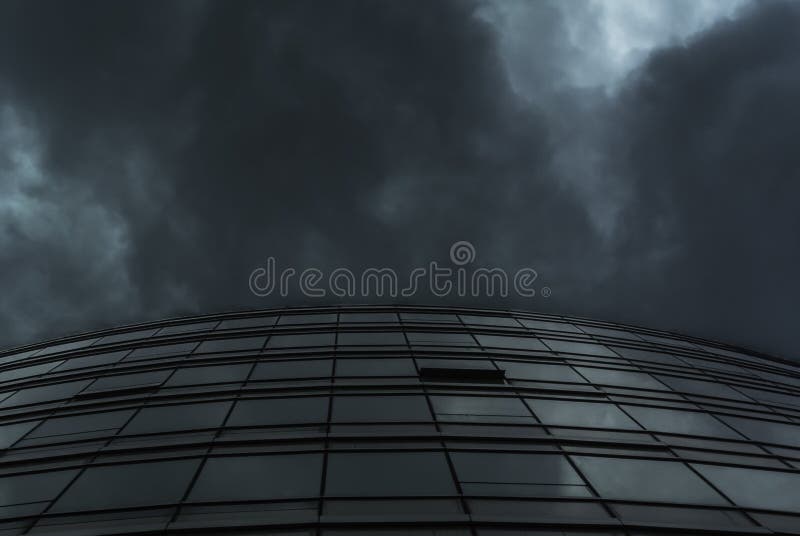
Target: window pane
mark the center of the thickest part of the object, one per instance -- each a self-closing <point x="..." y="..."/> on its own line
<point x="46" y="393"/>
<point x="651" y="357"/>
<point x="128" y="381"/>
<point x="91" y="361"/>
<point x="481" y="408"/>
<point x="401" y="366"/>
<point x="232" y="345"/>
<point x="242" y="478"/>
<point x="638" y="380"/>
<point x="118" y="486"/>
<point x="374" y="338"/>
<point x="382" y="408"/>
<point x="211" y="374"/>
<point x="10" y="433"/>
<point x="27" y="372"/>
<point x="294" y="369"/>
<point x="429" y="317"/>
<point x="274" y="411"/>
<point x="34" y="487"/>
<point x="447" y="339"/>
<point x="574" y="413"/>
<point x="78" y="424"/>
<point x="329" y="318"/>
<point x="479" y="364"/>
<point x="244" y="323"/>
<point x="610" y="332"/>
<point x="754" y="488"/>
<point x="300" y="340"/>
<point x="699" y="387"/>
<point x="646" y="480"/>
<point x="515" y="343"/>
<point x="490" y="321"/>
<point x="680" y="422"/>
<point x="571" y="347"/>
<point x="129" y="336"/>
<point x="346" y="318"/>
<point x="388" y="473"/>
<point x="544" y="324"/>
<point x="152" y="352"/>
<point x="179" y="417"/>
<point x="539" y="371"/>
<point x="766" y="431"/>
<point x="67" y="346"/>
<point x="188" y="328"/>
<point x="489" y="473"/>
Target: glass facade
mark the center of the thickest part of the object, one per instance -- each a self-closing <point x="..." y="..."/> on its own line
<point x="396" y="420"/>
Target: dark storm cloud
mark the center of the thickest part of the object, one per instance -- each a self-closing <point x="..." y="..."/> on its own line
<point x="159" y="153"/>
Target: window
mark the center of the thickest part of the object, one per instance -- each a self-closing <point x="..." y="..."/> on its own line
<point x="435" y="339"/>
<point x="96" y="360"/>
<point x="45" y="393"/>
<point x="513" y="343"/>
<point x="478" y="364"/>
<point x="363" y="318"/>
<point x="277" y="411"/>
<point x="646" y="480"/>
<point x="10" y="433"/>
<point x="680" y="422"/>
<point x="211" y="374"/>
<point x="400" y="366"/>
<point x="766" y="431"/>
<point x="78" y="425"/>
<point x="273" y="476"/>
<point x="152" y="352"/>
<point x="509" y="473"/>
<point x="67" y="346"/>
<point x="755" y="488"/>
<point x="188" y="328"/>
<point x="546" y="325"/>
<point x="606" y="332"/>
<point x="543" y="372"/>
<point x="638" y="380"/>
<point x="128" y="336"/>
<point x="300" y="340"/>
<point x="18" y="356"/>
<point x="484" y="408"/>
<point x="699" y="387"/>
<point x="575" y="413"/>
<point x="571" y="347"/>
<point x="245" y="323"/>
<point x="128" y="381"/>
<point x="27" y="372"/>
<point x="384" y="408"/>
<point x="243" y="344"/>
<point x="33" y="487"/>
<point x="374" y="338"/>
<point x="292" y="370"/>
<point x="177" y="418"/>
<point x="429" y="317"/>
<point x="119" y="486"/>
<point x="490" y="321"/>
<point x="329" y="318"/>
<point x="651" y="357"/>
<point x="388" y="473"/>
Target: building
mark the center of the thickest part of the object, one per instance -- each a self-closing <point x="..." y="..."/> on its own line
<point x="396" y="421"/>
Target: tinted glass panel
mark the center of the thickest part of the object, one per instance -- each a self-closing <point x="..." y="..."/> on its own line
<point x="754" y="488"/>
<point x="308" y="319"/>
<point x="33" y="487"/>
<point x="289" y="370"/>
<point x="544" y="324"/>
<point x="680" y="422"/>
<point x="429" y="317"/>
<point x="347" y="318"/>
<point x="232" y="345"/>
<point x="539" y="371"/>
<point x="129" y="336"/>
<point x="401" y="366"/>
<point x="67" y="346"/>
<point x="116" y="486"/>
<point x="10" y="433"/>
<point x="301" y="340"/>
<point x="274" y="476"/>
<point x="273" y="411"/>
<point x="91" y="360"/>
<point x="574" y="413"/>
<point x="637" y="380"/>
<point x="212" y="374"/>
<point x="766" y="431"/>
<point x="388" y="473"/>
<point x="127" y="381"/>
<point x="490" y="321"/>
<point x="46" y="393"/>
<point x="646" y="480"/>
<point x="245" y="323"/>
<point x="456" y="339"/>
<point x="177" y="418"/>
<point x="371" y="338"/>
<point x="699" y="387"/>
<point x="380" y="408"/>
<point x="491" y="408"/>
<point x="514" y="343"/>
<point x="188" y="328"/>
<point x="27" y="372"/>
<point x="151" y="352"/>
<point x="108" y="420"/>
<point x="579" y="348"/>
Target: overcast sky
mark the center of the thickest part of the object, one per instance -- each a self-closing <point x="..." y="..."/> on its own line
<point x="640" y="155"/>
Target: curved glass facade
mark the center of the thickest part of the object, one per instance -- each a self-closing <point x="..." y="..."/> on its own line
<point x="396" y="420"/>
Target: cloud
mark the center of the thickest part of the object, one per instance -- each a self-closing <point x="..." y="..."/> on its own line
<point x="183" y="143"/>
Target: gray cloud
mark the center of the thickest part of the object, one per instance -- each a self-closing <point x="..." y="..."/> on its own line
<point x="158" y="155"/>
